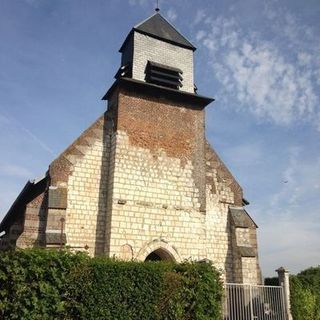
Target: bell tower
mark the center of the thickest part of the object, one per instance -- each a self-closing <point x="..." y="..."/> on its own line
<point x="142" y="182"/>
<point x="155" y="52"/>
<point x="157" y="169"/>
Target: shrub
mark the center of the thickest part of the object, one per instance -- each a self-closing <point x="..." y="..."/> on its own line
<point x="109" y="289"/>
<point x="195" y="293"/>
<point x="41" y="284"/>
<point x="32" y="283"/>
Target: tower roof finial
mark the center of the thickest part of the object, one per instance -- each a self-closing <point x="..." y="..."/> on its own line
<point x="157" y="9"/>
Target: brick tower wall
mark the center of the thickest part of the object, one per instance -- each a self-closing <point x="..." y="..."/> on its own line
<point x="158" y="178"/>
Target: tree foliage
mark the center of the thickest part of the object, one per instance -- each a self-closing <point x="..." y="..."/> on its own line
<point x="305" y="294"/>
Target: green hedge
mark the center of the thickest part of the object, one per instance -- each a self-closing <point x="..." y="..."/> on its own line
<point x="41" y="284"/>
<point x="305" y="294"/>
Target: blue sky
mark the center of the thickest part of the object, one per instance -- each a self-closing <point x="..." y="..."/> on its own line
<point x="259" y="59"/>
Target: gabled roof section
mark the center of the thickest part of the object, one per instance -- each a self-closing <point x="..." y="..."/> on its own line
<point x="241" y="218"/>
<point x="30" y="191"/>
<point x="158" y="27"/>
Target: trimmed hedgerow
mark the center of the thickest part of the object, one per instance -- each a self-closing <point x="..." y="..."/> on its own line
<point x="41" y="284"/>
<point x="32" y="283"/>
<point x="108" y="289"/>
<point x="197" y="295"/>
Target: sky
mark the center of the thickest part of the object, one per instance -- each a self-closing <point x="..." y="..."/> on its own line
<point x="259" y="59"/>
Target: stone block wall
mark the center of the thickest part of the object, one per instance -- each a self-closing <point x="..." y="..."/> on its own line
<point x="219" y="246"/>
<point x="141" y="178"/>
<point x="232" y="244"/>
<point x="157" y="183"/>
<point x="148" y="48"/>
<point x="86" y="210"/>
<point x="222" y="190"/>
<point x="154" y="199"/>
<point x="250" y="273"/>
<point x="32" y="220"/>
<point x="83" y="169"/>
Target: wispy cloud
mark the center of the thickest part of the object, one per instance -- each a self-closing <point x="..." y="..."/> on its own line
<point x="301" y="183"/>
<point x="276" y="82"/>
<point x="171" y="15"/>
<point x="290" y="216"/>
<point x="16" y="171"/>
<point x="200" y="15"/>
<point x="137" y="2"/>
<point x="7" y="119"/>
<point x="245" y="155"/>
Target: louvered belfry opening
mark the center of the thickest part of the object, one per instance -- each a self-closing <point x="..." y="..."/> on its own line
<point x="163" y="75"/>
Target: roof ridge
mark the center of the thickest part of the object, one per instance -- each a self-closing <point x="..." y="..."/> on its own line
<point x="145" y="20"/>
<point x="174" y="28"/>
<point x="159" y="27"/>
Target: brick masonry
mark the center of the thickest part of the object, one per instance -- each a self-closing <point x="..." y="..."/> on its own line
<point x="143" y="178"/>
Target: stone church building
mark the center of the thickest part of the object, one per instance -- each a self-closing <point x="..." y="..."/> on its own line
<point x="142" y="182"/>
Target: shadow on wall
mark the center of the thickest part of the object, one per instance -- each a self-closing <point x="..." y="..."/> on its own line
<point x="229" y="266"/>
<point x="102" y="240"/>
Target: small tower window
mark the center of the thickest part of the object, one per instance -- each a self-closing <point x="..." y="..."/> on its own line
<point x="163" y="75"/>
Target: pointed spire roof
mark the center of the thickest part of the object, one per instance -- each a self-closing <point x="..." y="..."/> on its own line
<point x="158" y="27"/>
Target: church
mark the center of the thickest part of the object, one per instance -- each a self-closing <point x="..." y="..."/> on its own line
<point x="142" y="182"/>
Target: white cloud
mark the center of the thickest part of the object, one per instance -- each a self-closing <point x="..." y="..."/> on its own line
<point x="301" y="179"/>
<point x="304" y="58"/>
<point x="200" y="15"/>
<point x="9" y="120"/>
<point x="137" y="2"/>
<point x="200" y="35"/>
<point x="290" y="216"/>
<point x="273" y="81"/>
<point x="172" y="15"/>
<point x="245" y="155"/>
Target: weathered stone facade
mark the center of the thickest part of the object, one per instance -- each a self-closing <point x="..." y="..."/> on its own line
<point x="142" y="179"/>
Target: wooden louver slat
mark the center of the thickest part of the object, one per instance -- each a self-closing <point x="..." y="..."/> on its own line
<point x="163" y="75"/>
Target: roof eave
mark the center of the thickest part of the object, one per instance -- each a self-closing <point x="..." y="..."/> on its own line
<point x="242" y="208"/>
<point x="155" y="90"/>
<point x="22" y="197"/>
<point x="7" y="217"/>
<point x="126" y="40"/>
<point x="130" y="34"/>
<point x="191" y="46"/>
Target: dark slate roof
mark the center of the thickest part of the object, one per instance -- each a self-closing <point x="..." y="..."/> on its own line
<point x="158" y="27"/>
<point x="247" y="252"/>
<point x="241" y="218"/>
<point x="30" y="191"/>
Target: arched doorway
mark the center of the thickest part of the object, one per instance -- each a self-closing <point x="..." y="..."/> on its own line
<point x="163" y="249"/>
<point x="160" y="255"/>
